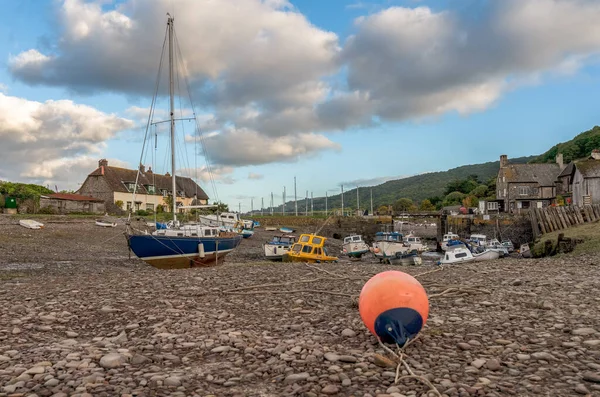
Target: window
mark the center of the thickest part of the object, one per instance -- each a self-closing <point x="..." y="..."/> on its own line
<point x="524" y="190"/>
<point x="317" y="240"/>
<point x="151" y="189"/>
<point x="137" y="206"/>
<point x="461" y="255"/>
<point x="164" y="192"/>
<point x="130" y="186"/>
<point x="128" y="205"/>
<point x="296" y="248"/>
<point x="150" y="207"/>
<point x="207" y="232"/>
<point x="304" y="239"/>
<point x="492" y="205"/>
<point x="306" y="249"/>
<point x="525" y="204"/>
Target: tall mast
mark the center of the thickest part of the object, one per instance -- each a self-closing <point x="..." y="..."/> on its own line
<point x="342" y="200"/>
<point x="172" y="99"/>
<point x="357" y="200"/>
<point x="295" y="198"/>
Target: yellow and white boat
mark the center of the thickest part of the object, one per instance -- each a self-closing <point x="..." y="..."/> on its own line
<point x="309" y="248"/>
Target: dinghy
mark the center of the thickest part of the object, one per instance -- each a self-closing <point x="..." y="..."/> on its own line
<point x="102" y="223"/>
<point x="286" y="230"/>
<point x="31" y="224"/>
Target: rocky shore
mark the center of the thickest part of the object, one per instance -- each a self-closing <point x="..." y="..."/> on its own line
<point x="79" y="318"/>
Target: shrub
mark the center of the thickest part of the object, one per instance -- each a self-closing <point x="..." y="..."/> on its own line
<point x="47" y="210"/>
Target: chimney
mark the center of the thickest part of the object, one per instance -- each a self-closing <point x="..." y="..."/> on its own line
<point x="103" y="162"/>
<point x="142" y="168"/>
<point x="150" y="169"/>
<point x="503" y="160"/>
<point x="559" y="161"/>
<point x="167" y="174"/>
<point x="596" y="154"/>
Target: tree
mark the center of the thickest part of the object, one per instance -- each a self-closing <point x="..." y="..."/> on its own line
<point x="403" y="204"/>
<point x="470" y="201"/>
<point x="426" y="206"/>
<point x="480" y="191"/>
<point x="382" y="210"/>
<point x="168" y="202"/>
<point x="454" y="198"/>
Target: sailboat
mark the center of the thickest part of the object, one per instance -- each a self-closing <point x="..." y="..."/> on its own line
<point x="179" y="246"/>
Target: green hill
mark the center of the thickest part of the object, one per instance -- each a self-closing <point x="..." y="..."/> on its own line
<point x="579" y="147"/>
<point x="418" y="187"/>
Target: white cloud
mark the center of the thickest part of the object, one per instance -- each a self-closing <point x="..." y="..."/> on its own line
<point x="52" y="140"/>
<point x="239" y="147"/>
<point x="3" y="88"/>
<point x="264" y="79"/>
<point x="255" y="176"/>
<point x="413" y="62"/>
<point x="221" y="174"/>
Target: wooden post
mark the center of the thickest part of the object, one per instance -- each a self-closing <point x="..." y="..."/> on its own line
<point x="538" y="212"/>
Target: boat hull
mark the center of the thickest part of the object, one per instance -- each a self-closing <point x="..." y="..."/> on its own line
<point x="275" y="252"/>
<point x="406" y="261"/>
<point x="486" y="256"/>
<point x="170" y="252"/>
<point x="306" y="259"/>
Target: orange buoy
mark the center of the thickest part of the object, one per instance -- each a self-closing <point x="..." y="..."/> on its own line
<point x="393" y="306"/>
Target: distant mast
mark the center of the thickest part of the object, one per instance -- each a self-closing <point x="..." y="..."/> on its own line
<point x="172" y="99"/>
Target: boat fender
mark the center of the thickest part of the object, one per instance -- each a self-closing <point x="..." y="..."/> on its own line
<point x="394" y="307"/>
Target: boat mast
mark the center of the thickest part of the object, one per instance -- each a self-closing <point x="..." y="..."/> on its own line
<point x="172" y="99"/>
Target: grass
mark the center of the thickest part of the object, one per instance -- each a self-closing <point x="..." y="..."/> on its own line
<point x="588" y="232"/>
<point x="10" y="275"/>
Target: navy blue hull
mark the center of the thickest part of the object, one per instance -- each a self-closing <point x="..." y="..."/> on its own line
<point x="170" y="252"/>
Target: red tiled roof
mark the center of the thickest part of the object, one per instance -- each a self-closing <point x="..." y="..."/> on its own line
<point x="71" y="196"/>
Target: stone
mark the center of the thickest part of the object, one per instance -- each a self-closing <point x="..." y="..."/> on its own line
<point x="583" y="331"/>
<point x="581" y="389"/>
<point x="220" y="349"/>
<point x="493" y="364"/>
<point x="478" y="363"/>
<point x="543" y="356"/>
<point x="592" y="377"/>
<point x="292" y="378"/>
<point x="172" y="381"/>
<point x="112" y="360"/>
<point x="36" y="370"/>
<point x="331" y="357"/>
<point x="348" y="359"/>
<point x="330" y="389"/>
<point x="464" y="346"/>
<point x="348" y="333"/>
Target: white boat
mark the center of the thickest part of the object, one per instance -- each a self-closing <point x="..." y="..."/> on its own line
<point x="509" y="245"/>
<point x="525" y="251"/>
<point x="102" y="223"/>
<point x="414" y="243"/>
<point x="31" y="224"/>
<point x="354" y="246"/>
<point x="479" y="239"/>
<point x="222" y="219"/>
<point x="387" y="244"/>
<point x="457" y="254"/>
<point x="448" y="237"/>
<point x="279" y="246"/>
<point x="270" y="229"/>
<point x="486" y="255"/>
<point x="497" y="246"/>
<point x="408" y="259"/>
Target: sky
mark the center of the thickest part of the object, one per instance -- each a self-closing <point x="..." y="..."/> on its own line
<point x="330" y="92"/>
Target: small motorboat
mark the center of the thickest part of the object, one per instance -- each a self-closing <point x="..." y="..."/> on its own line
<point x="414" y="243"/>
<point x="407" y="259"/>
<point x="495" y="245"/>
<point x="256" y="224"/>
<point x="103" y="223"/>
<point x="31" y="224"/>
<point x="509" y="245"/>
<point x="354" y="246"/>
<point x="244" y="228"/>
<point x="309" y="248"/>
<point x="486" y="255"/>
<point x="286" y="230"/>
<point x="387" y="244"/>
<point x="457" y="254"/>
<point x="448" y="237"/>
<point x="525" y="251"/>
<point x="278" y="247"/>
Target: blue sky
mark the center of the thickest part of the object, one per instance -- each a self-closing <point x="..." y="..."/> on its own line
<point x="331" y="92"/>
